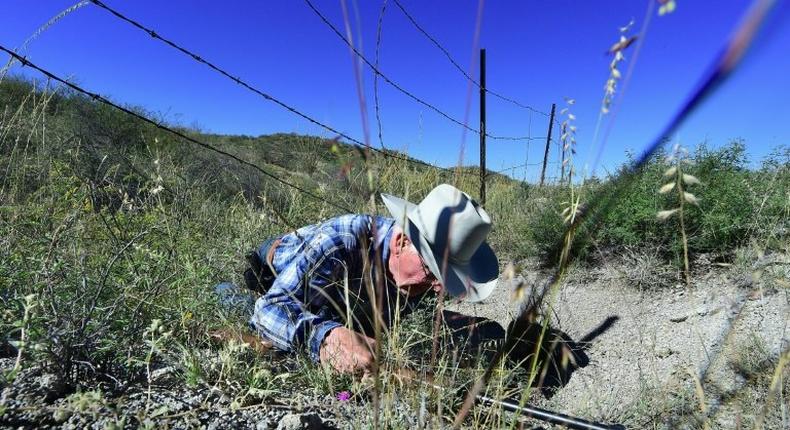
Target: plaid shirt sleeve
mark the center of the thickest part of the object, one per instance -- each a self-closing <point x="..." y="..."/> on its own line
<point x="282" y="315"/>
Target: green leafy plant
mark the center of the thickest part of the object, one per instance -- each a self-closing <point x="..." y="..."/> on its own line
<point x="23" y="326"/>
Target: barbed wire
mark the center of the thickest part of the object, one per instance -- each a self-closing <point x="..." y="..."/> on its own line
<point x="461" y="69"/>
<point x="251" y="88"/>
<point x="525" y="165"/>
<point x="378" y="72"/>
<point x="527" y="138"/>
<point x="397" y="86"/>
<point x="99" y="98"/>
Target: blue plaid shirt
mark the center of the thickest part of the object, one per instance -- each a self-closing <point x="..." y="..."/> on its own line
<point x="313" y="266"/>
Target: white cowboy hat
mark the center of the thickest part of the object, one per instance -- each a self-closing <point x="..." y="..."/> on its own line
<point x="448" y="226"/>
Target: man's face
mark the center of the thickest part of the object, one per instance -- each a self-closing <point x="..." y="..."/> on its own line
<point x="408" y="270"/>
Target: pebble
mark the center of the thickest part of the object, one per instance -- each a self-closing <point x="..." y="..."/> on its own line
<point x="678" y="318"/>
<point x="663" y="352"/>
<point x="300" y="422"/>
<point x="263" y="424"/>
<point x="214" y="425"/>
<point x="159" y="374"/>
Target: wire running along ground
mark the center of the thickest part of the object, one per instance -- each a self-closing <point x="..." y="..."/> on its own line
<point x="163" y="127"/>
<point x="457" y="66"/>
<point x="253" y="89"/>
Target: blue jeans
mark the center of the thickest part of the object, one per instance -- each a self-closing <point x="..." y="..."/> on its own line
<point x="236" y="302"/>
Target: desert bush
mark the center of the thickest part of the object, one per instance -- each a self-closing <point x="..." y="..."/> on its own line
<point x="737" y="204"/>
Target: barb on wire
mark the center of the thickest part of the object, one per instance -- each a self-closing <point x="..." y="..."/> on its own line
<point x="99" y="98"/>
<point x="457" y="66"/>
<point x="722" y="68"/>
<point x="249" y="87"/>
<point x="394" y="84"/>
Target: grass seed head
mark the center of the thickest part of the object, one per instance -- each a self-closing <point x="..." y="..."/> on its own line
<point x="667" y="188"/>
<point x="690" y="198"/>
<point x="667" y="7"/>
<point x="690" y="180"/>
<point x="664" y="215"/>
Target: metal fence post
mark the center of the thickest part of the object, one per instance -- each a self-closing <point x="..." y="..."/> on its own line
<point x="548" y="141"/>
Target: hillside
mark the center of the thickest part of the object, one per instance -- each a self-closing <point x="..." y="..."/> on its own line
<point x="113" y="233"/>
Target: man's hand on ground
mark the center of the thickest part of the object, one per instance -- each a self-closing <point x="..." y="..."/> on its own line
<point x="347" y="351"/>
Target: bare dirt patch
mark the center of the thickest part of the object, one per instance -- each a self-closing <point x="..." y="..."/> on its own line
<point x="644" y="369"/>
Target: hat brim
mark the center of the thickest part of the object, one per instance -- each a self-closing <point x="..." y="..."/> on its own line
<point x="472" y="282"/>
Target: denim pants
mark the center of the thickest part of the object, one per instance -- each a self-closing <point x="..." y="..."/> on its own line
<point x="235" y="301"/>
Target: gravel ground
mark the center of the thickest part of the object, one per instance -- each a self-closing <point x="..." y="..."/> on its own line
<point x="35" y="401"/>
<point x="642" y="370"/>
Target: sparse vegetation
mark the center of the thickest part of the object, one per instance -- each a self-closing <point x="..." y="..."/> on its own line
<point x="112" y="234"/>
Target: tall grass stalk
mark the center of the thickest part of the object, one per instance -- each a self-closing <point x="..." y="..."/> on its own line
<point x="679" y="181"/>
<point x="52" y="21"/>
<point x="774" y="389"/>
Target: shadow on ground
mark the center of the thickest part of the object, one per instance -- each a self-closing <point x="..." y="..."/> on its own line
<point x="558" y="355"/>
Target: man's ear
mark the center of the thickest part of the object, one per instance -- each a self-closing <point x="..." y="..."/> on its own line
<point x="401" y="242"/>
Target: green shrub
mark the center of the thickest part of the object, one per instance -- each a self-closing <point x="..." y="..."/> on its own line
<point x="736" y="205"/>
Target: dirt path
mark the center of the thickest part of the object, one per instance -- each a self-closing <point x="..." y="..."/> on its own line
<point x="642" y="370"/>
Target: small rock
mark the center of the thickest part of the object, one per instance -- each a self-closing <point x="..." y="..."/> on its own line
<point x="214" y="425"/>
<point x="263" y="424"/>
<point x="159" y="374"/>
<point x="755" y="295"/>
<point x="663" y="352"/>
<point x="300" y="422"/>
<point x="678" y="318"/>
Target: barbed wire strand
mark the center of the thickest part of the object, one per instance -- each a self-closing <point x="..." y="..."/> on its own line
<point x="457" y="66"/>
<point x="397" y="86"/>
<point x="251" y="88"/>
<point x="99" y="98"/>
<point x="375" y="70"/>
<point x="523" y="165"/>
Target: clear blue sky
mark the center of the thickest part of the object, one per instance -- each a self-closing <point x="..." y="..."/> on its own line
<point x="537" y="53"/>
